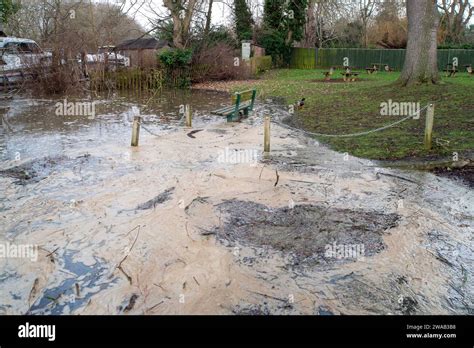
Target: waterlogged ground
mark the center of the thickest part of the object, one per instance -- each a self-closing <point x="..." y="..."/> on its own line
<point x="203" y="223"/>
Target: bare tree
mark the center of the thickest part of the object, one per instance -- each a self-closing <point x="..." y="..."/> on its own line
<point x="321" y="19"/>
<point x="456" y="16"/>
<point x="207" y="27"/>
<point x="181" y="13"/>
<point x="421" y="53"/>
<point x="366" y="10"/>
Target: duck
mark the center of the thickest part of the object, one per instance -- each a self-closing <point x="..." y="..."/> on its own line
<point x="300" y="103"/>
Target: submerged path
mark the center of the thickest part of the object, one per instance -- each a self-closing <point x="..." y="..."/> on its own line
<point x="207" y="225"/>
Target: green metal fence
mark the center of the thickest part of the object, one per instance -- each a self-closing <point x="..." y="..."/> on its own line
<point x="312" y="58"/>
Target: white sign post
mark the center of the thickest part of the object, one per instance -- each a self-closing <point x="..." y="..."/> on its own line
<point x="246" y="50"/>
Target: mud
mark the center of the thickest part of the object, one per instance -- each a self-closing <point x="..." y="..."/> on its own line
<point x="304" y="231"/>
<point x="464" y="175"/>
<point x="181" y="255"/>
<point x="152" y="203"/>
<point x="38" y="169"/>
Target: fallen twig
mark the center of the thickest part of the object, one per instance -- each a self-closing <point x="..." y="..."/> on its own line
<point x="441" y="258"/>
<point x="268" y="296"/>
<point x="126" y="274"/>
<point x="52" y="252"/>
<point x="398" y="177"/>
<point x="187" y="232"/>
<point x="130" y="250"/>
<point x="260" y="176"/>
<point x="131" y="303"/>
<point x="119" y="265"/>
<point x="206" y="232"/>
<point x="33" y="291"/>
<point x="303" y="181"/>
<point x="153" y="307"/>
<point x="278" y="177"/>
<point x="191" y="134"/>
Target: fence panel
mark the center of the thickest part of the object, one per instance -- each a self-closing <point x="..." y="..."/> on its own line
<point x="311" y="58"/>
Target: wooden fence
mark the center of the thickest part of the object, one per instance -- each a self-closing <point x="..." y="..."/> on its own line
<point x="312" y="58"/>
<point x="126" y="79"/>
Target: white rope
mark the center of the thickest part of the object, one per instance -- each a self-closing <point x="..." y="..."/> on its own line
<point x="188" y="143"/>
<point x="295" y="129"/>
<point x="347" y="135"/>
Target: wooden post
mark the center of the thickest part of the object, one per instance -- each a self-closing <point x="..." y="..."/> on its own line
<point x="189" y="118"/>
<point x="135" y="130"/>
<point x="266" y="135"/>
<point x="429" y="126"/>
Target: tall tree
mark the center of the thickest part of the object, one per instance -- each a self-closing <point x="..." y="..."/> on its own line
<point x="242" y="20"/>
<point x="456" y="15"/>
<point x="321" y="22"/>
<point x="207" y="27"/>
<point x="295" y="20"/>
<point x="309" y="37"/>
<point x="421" y="65"/>
<point x="181" y="13"/>
<point x="7" y="9"/>
<point x="283" y="23"/>
<point x="366" y="9"/>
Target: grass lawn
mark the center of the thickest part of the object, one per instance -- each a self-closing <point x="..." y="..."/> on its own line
<point x="342" y="108"/>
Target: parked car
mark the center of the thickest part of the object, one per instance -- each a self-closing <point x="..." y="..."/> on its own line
<point x="17" y="55"/>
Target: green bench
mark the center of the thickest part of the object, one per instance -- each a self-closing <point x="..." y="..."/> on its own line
<point x="241" y="101"/>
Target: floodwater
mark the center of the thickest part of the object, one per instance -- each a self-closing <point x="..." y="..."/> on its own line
<point x="203" y="223"/>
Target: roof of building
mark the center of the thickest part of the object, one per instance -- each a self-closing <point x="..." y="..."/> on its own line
<point x="142" y="43"/>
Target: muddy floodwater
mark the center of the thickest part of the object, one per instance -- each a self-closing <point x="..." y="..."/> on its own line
<point x="199" y="221"/>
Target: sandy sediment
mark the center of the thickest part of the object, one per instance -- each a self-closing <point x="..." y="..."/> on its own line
<point x="101" y="255"/>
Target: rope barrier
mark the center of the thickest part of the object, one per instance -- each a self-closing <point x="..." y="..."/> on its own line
<point x="347" y="135"/>
<point x="188" y="143"/>
<point x="278" y="122"/>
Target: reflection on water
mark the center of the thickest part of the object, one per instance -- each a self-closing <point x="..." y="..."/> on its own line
<point x="31" y="128"/>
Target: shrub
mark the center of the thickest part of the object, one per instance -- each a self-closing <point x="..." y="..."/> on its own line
<point x="219" y="62"/>
<point x="261" y="64"/>
<point x="176" y="66"/>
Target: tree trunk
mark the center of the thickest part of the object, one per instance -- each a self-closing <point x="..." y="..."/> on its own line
<point x="310" y="27"/>
<point x="181" y="20"/>
<point x="207" y="28"/>
<point x="421" y="61"/>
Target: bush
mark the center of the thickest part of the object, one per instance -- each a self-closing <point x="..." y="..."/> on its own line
<point x="176" y="65"/>
<point x="261" y="64"/>
<point x="53" y="79"/>
<point x="218" y="63"/>
<point x="275" y="46"/>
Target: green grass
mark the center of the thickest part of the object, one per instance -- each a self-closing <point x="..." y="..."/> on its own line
<point x="343" y="108"/>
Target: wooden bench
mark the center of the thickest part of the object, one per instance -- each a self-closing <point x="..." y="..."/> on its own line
<point x="469" y="69"/>
<point x="328" y="74"/>
<point x="349" y="76"/>
<point x="372" y="70"/>
<point x="450" y="70"/>
<point x="378" y="66"/>
<point x="241" y="102"/>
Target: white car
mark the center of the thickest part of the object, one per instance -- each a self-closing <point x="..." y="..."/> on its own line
<point x="17" y="55"/>
<point x="113" y="58"/>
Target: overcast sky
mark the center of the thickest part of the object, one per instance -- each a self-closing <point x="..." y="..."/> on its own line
<point x="144" y="10"/>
